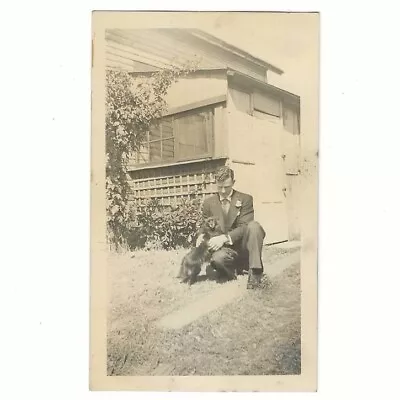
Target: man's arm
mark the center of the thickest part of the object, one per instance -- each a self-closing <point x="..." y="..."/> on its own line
<point x="246" y="216"/>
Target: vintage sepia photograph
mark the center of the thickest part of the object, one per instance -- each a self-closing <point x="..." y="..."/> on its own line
<point x="204" y="201"/>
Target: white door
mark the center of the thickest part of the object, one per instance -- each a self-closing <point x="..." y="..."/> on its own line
<point x="271" y="201"/>
<point x="256" y="156"/>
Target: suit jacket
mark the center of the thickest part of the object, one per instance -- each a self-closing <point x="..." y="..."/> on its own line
<point x="240" y="213"/>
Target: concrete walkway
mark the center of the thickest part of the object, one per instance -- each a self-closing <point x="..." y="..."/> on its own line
<point x="225" y="294"/>
<point x="294" y="244"/>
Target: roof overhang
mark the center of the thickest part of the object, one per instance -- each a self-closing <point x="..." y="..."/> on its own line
<point x="199" y="71"/>
<point x="235" y="50"/>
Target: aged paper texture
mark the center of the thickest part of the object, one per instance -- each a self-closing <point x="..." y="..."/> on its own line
<point x="250" y="101"/>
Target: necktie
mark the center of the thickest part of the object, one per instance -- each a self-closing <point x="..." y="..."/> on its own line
<point x="225" y="206"/>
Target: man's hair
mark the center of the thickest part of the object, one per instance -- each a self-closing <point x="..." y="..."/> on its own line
<point x="224" y="173"/>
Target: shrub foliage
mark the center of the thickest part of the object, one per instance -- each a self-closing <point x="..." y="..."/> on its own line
<point x="132" y="105"/>
<point x="159" y="227"/>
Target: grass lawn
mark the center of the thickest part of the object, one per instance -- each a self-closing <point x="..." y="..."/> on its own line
<point x="257" y="334"/>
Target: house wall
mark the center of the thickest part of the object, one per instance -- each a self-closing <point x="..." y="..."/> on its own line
<point x="291" y="152"/>
<point x="143" y="50"/>
<point x="191" y="90"/>
<point x="254" y="146"/>
<point x="221" y="131"/>
<point x="255" y="150"/>
<point x="293" y="201"/>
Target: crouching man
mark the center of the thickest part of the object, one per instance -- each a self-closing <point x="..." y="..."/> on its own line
<point x="235" y="213"/>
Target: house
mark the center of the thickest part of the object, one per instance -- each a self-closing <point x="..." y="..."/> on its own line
<point x="225" y="112"/>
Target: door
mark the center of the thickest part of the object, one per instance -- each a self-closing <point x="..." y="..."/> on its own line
<point x="271" y="200"/>
<point x="259" y="170"/>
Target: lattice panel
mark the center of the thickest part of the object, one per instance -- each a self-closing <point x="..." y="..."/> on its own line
<point x="172" y="183"/>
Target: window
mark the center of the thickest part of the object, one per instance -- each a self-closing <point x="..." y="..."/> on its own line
<point x="179" y="137"/>
<point x="267" y="104"/>
<point x="261" y="105"/>
<point x="192" y="134"/>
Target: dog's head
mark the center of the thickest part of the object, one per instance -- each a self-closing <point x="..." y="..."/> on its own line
<point x="211" y="223"/>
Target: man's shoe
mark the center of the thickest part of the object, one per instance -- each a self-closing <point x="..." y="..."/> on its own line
<point x="242" y="270"/>
<point x="254" y="280"/>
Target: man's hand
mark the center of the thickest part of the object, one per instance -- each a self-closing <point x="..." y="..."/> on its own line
<point x="217" y="242"/>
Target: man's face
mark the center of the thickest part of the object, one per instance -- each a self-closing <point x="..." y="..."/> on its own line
<point x="225" y="187"/>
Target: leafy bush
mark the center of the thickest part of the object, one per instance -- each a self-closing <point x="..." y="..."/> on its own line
<point x="132" y="105"/>
<point x="158" y="227"/>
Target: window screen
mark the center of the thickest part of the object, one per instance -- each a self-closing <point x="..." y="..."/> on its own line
<point x="178" y="137"/>
<point x="192" y="131"/>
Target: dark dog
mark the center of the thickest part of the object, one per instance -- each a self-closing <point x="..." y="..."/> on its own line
<point x="193" y="261"/>
<point x="201" y="255"/>
<point x="210" y="228"/>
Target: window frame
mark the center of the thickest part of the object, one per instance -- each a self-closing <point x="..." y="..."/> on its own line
<point x="259" y="110"/>
<point x="252" y="107"/>
<point x="210" y="128"/>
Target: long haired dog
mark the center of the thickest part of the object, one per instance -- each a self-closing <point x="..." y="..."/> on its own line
<point x="201" y="255"/>
<point x="193" y="261"/>
<point x="210" y="228"/>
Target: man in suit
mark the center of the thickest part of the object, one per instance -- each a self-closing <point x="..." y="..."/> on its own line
<point x="235" y="213"/>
